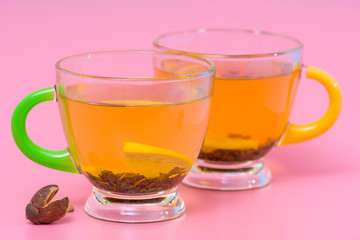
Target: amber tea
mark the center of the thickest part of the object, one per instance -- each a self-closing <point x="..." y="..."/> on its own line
<point x="133" y="147"/>
<point x="248" y="115"/>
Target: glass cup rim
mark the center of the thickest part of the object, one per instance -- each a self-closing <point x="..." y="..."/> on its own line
<point x="175" y="78"/>
<point x="219" y="55"/>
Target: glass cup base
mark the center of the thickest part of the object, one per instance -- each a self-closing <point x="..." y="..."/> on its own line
<point x="228" y="176"/>
<point x="135" y="209"/>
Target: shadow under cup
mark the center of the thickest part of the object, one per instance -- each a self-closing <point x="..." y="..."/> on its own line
<point x="132" y="130"/>
<point x="256" y="79"/>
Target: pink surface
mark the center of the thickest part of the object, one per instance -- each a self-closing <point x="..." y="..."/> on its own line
<point x="315" y="193"/>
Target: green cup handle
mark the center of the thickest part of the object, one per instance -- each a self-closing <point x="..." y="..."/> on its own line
<point x="59" y="160"/>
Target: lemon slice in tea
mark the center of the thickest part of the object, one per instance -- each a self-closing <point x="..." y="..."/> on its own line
<point x="150" y="160"/>
<point x="217" y="142"/>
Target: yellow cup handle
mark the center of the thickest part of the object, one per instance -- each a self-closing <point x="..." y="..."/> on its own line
<point x="298" y="133"/>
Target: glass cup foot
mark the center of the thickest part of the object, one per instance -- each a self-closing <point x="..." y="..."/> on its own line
<point x="228" y="176"/>
<point x="135" y="209"/>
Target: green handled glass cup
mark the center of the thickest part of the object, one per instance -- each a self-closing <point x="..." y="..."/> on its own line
<point x="131" y="130"/>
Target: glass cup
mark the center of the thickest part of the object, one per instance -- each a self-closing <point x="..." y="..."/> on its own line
<point x="257" y="74"/>
<point x="132" y="132"/>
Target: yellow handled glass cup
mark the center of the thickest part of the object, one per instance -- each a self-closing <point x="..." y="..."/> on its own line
<point x="257" y="74"/>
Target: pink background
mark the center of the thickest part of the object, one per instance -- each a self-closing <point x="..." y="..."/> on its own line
<point x="315" y="193"/>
